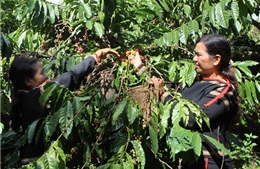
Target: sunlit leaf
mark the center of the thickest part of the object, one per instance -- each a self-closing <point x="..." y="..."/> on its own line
<point x="245" y="70"/>
<point x="65" y="120"/>
<point x="238" y="75"/>
<point x="129" y="164"/>
<point x="21" y="38"/>
<point x="173" y="71"/>
<point x="179" y="140"/>
<point x="212" y="16"/>
<point x="248" y="89"/>
<point x="132" y="113"/>
<point x="197" y="143"/>
<point x="87" y="10"/>
<point x="89" y="24"/>
<point x="257" y="84"/>
<point x="154" y="139"/>
<point x="184" y="33"/>
<point x="51" y="124"/>
<point x="165" y="118"/>
<point x="187" y="9"/>
<point x="99" y="29"/>
<point x="51" y="13"/>
<point x="193" y="28"/>
<point x="235" y="9"/>
<point x="45" y="12"/>
<point x="31" y="4"/>
<point x="139" y="153"/>
<point x="245" y="63"/>
<point x="164" y="5"/>
<point x="49" y="161"/>
<point x="217" y="144"/>
<point x="222" y="16"/>
<point x="253" y="92"/>
<point x="118" y="110"/>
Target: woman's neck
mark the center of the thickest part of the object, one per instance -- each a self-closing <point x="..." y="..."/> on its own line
<point x="214" y="76"/>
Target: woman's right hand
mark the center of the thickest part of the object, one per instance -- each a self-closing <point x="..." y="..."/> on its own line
<point x="156" y="82"/>
<point x="102" y="53"/>
<point x="135" y="60"/>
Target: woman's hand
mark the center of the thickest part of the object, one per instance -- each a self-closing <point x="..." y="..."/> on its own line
<point x="135" y="60"/>
<point x="156" y="82"/>
<point x="101" y="53"/>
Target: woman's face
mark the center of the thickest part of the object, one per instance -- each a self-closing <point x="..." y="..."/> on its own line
<point x="203" y="62"/>
<point x="39" y="76"/>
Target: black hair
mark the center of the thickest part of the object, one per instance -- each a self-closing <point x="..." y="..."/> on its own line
<point x="21" y="69"/>
<point x="218" y="44"/>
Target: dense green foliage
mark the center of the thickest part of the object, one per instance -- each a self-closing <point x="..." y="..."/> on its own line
<point x="85" y="129"/>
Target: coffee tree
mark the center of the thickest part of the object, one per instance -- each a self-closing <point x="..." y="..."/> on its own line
<point x="101" y="125"/>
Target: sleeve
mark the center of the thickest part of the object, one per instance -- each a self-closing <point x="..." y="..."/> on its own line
<point x="73" y="78"/>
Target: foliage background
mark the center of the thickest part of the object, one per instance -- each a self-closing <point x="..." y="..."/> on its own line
<point x="84" y="128"/>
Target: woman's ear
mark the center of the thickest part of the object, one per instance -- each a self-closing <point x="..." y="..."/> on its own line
<point x="28" y="82"/>
<point x="217" y="59"/>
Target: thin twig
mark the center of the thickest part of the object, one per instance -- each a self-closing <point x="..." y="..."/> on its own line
<point x="160" y="159"/>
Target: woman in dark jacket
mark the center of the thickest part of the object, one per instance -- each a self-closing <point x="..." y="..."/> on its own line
<point x="215" y="91"/>
<point x="27" y="77"/>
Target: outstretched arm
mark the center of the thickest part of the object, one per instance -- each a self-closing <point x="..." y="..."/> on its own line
<point x="73" y="78"/>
